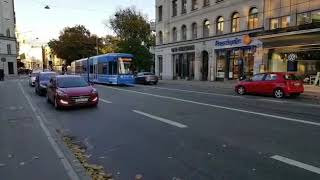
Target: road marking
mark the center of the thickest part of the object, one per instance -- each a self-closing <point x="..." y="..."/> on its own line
<point x="105" y="101"/>
<point x="219" y="107"/>
<point x="296" y="163"/>
<point x="190" y="91"/>
<point x="173" y="123"/>
<point x="271" y="100"/>
<point x="67" y="166"/>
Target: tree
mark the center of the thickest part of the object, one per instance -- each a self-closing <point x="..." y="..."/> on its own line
<point x="74" y="43"/>
<point x="110" y="44"/>
<point x="134" y="34"/>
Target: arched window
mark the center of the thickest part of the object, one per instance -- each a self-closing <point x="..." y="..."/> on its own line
<point x="184" y="32"/>
<point x="253" y="18"/>
<point x="174" y="34"/>
<point x="8" y="33"/>
<point x="206" y="28"/>
<point x="220" y="25"/>
<point x="194" y="4"/>
<point x="194" y="31"/>
<point x="235" y="22"/>
<point x="160" y="34"/>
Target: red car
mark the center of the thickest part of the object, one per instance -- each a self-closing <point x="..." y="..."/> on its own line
<point x="277" y="84"/>
<point x="71" y="90"/>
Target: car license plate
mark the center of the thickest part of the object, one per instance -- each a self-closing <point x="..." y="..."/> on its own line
<point x="297" y="84"/>
<point x="81" y="100"/>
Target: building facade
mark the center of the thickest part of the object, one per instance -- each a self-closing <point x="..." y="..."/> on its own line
<point x="8" y="43"/>
<point x="226" y="39"/>
<point x="291" y="36"/>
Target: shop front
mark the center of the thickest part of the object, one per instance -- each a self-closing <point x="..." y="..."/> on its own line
<point x="298" y="53"/>
<point x="183" y="62"/>
<point x="235" y="57"/>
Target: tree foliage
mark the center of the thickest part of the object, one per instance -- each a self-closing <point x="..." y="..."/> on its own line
<point x="74" y="43"/>
<point x="110" y="44"/>
<point x="134" y="34"/>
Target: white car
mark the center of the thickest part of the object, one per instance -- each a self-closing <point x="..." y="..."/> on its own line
<point x="32" y="77"/>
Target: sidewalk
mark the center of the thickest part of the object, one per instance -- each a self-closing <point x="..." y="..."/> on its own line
<point x="312" y="93"/>
<point x="25" y="152"/>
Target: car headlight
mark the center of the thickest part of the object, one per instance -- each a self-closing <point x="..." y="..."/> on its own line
<point x="94" y="91"/>
<point x="43" y="85"/>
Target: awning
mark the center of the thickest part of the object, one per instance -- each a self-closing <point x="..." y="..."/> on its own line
<point x="290" y="39"/>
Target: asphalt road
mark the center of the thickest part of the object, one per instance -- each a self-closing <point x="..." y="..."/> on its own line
<point x="165" y="132"/>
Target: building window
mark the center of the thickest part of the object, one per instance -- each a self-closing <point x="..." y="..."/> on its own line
<point x="194" y="4"/>
<point x="160" y="13"/>
<point x="206" y="3"/>
<point x="160" y="34"/>
<point x="285" y="21"/>
<point x="194" y="31"/>
<point x="184" y="33"/>
<point x="274" y="23"/>
<point x="183" y="6"/>
<point x="174" y="8"/>
<point x="315" y="15"/>
<point x="8" y="33"/>
<point x="253" y="18"/>
<point x="220" y="25"/>
<point x="174" y="34"/>
<point x="280" y="22"/>
<point x="304" y="18"/>
<point x="206" y="28"/>
<point x="235" y="22"/>
<point x="9" y="48"/>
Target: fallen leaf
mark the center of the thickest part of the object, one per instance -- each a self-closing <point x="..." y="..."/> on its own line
<point x="138" y="177"/>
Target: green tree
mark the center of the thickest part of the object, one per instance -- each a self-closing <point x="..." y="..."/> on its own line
<point x="74" y="43"/>
<point x="134" y="34"/>
<point x="110" y="44"/>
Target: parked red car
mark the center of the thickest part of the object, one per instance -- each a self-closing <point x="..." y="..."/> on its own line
<point x="277" y="84"/>
<point x="71" y="90"/>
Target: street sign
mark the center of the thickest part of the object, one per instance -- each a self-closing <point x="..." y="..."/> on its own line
<point x="3" y="60"/>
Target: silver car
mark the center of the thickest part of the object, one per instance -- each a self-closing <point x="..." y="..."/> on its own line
<point x="32" y="77"/>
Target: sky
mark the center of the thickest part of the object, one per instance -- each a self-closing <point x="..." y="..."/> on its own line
<point x="36" y="22"/>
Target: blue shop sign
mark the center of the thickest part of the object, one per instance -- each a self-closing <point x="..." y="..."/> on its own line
<point x="229" y="42"/>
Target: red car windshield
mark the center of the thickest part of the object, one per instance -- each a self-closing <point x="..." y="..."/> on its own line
<point x="71" y="82"/>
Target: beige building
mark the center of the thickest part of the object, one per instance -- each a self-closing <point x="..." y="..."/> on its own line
<point x="226" y="39"/>
<point x="51" y="61"/>
<point x="8" y="44"/>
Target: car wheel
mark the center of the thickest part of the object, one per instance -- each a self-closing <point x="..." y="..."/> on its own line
<point x="241" y="90"/>
<point x="278" y="93"/>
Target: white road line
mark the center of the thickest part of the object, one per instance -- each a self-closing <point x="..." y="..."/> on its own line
<point x="296" y="163"/>
<point x="176" y="124"/>
<point x="105" y="101"/>
<point x="220" y="107"/>
<point x="271" y="100"/>
<point x="67" y="166"/>
<point x="190" y="91"/>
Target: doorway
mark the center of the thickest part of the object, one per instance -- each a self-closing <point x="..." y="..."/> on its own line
<point x="205" y="65"/>
<point x="10" y="68"/>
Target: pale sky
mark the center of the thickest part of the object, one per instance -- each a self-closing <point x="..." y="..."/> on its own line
<point x="34" y="21"/>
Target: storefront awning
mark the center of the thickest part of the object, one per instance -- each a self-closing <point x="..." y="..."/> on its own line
<point x="278" y="41"/>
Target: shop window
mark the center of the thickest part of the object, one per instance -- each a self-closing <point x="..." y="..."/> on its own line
<point x="274" y="23"/>
<point x="258" y="77"/>
<point x="160" y="13"/>
<point x="271" y="77"/>
<point x="315" y="15"/>
<point x="206" y="3"/>
<point x="184" y="33"/>
<point x="194" y="31"/>
<point x="194" y="4"/>
<point x="174" y="8"/>
<point x="235" y="22"/>
<point x="285" y="21"/>
<point x="253" y="18"/>
<point x="206" y="28"/>
<point x="304" y="18"/>
<point x="160" y="36"/>
<point x="174" y="34"/>
<point x="183" y="6"/>
<point x="220" y="25"/>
